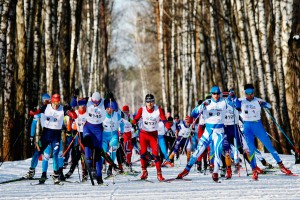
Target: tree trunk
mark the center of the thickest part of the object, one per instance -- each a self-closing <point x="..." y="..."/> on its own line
<point x="8" y="120"/>
<point x="20" y="86"/>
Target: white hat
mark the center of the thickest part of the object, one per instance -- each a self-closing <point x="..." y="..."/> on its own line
<point x="96" y="96"/>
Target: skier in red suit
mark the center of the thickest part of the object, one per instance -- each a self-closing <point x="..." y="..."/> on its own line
<point x="150" y="114"/>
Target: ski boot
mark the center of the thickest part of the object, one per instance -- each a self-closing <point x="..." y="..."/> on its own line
<point x="223" y="172"/>
<point x="61" y="176"/>
<point x="144" y="174"/>
<point x="228" y="173"/>
<point x="30" y="174"/>
<point x="99" y="180"/>
<point x="215" y="177"/>
<point x="259" y="171"/>
<point x="266" y="164"/>
<point x="55" y="177"/>
<point x="199" y="166"/>
<point x="211" y="168"/>
<point x="69" y="174"/>
<point x="160" y="177"/>
<point x="84" y="175"/>
<point x="283" y="169"/>
<point x="43" y="178"/>
<point x="254" y="174"/>
<point x="168" y="164"/>
<point x="109" y="171"/>
<point x="184" y="173"/>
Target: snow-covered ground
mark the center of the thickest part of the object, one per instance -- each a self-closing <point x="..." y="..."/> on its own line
<point x="270" y="186"/>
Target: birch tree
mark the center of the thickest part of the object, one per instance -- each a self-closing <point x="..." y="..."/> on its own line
<point x="159" y="27"/>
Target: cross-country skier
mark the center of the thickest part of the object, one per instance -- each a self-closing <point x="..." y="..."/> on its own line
<point x="213" y="111"/>
<point x="150" y="114"/>
<point x="52" y="116"/>
<point x="251" y="115"/>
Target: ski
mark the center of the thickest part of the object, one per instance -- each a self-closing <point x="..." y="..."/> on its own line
<point x="58" y="183"/>
<point x="18" y="179"/>
<point x="177" y="179"/>
<point x="88" y="169"/>
<point x="145" y="180"/>
<point x="134" y="173"/>
<point x="103" y="184"/>
<point x="109" y="176"/>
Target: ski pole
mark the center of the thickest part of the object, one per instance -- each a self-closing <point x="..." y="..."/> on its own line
<point x="15" y="142"/>
<point x="66" y="151"/>
<point x="282" y="131"/>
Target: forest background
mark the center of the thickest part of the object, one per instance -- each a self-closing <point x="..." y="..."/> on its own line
<point x="175" y="49"/>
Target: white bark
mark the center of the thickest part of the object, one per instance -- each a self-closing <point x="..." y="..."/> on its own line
<point x="256" y="47"/>
<point x="244" y="56"/>
<point x="161" y="53"/>
<point x="73" y="4"/>
<point x="48" y="47"/>
<point x="94" y="48"/>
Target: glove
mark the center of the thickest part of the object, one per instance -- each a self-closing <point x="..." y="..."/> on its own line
<point x="168" y="125"/>
<point x="34" y="112"/>
<point x="72" y="114"/>
<point x="207" y="102"/>
<point x="135" y="127"/>
<point x="31" y="141"/>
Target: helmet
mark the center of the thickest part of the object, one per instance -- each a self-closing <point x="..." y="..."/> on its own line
<point x="96" y="96"/>
<point x="215" y="89"/>
<point x="125" y="108"/>
<point x="55" y="98"/>
<point x="149" y="98"/>
<point x="189" y="119"/>
<point x="45" y="97"/>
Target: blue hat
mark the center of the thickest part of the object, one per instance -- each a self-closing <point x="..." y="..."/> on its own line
<point x="82" y="102"/>
<point x="111" y="104"/>
<point x="45" y="97"/>
<point x="215" y="89"/>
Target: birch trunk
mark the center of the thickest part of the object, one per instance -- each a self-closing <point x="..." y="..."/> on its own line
<point x="279" y="69"/>
<point x="173" y="64"/>
<point x="193" y="57"/>
<point x="3" y="50"/>
<point x="287" y="18"/>
<point x="243" y="44"/>
<point x="48" y="47"/>
<point x="94" y="47"/>
<point x="159" y="27"/>
<point x="256" y="47"/>
<point x="73" y="4"/>
<point x="20" y="86"/>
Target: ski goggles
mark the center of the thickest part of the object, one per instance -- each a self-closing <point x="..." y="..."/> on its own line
<point x="150" y="100"/>
<point x="249" y="91"/>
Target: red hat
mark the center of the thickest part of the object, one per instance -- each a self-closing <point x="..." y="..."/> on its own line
<point x="125" y="108"/>
<point x="189" y="119"/>
<point x="55" y="98"/>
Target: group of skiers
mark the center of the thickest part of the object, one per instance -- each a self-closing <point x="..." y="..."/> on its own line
<point x="99" y="132"/>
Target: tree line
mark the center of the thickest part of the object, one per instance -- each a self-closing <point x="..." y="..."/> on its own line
<point x="183" y="47"/>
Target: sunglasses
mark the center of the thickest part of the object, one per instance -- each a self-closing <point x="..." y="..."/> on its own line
<point x="215" y="93"/>
<point x="56" y="103"/>
<point x="95" y="102"/>
<point x="150" y="101"/>
<point x="249" y="93"/>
